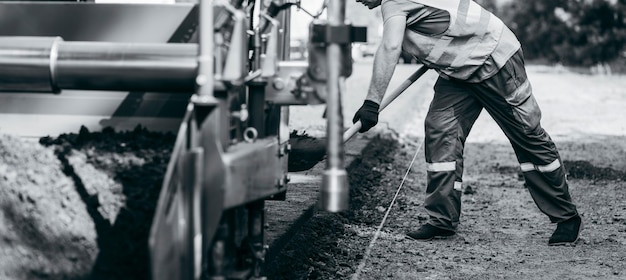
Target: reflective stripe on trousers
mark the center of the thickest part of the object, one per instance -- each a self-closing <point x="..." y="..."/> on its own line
<point x="508" y="98"/>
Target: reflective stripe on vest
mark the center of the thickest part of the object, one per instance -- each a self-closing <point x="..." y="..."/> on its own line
<point x="473" y="35"/>
<point x="445" y="51"/>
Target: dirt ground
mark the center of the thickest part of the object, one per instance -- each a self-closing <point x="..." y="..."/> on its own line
<point x="502" y="233"/>
<point x="48" y="234"/>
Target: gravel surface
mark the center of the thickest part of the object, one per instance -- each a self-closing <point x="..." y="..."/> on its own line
<point x="502" y="233"/>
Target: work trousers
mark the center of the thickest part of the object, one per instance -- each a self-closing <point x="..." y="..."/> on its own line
<point x="508" y="98"/>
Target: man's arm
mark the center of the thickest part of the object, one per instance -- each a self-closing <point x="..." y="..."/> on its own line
<point x="386" y="57"/>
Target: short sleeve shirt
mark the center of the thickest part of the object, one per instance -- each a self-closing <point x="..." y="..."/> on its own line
<point x="419" y="18"/>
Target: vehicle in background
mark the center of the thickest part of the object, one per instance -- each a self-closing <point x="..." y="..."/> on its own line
<point x="298" y="49"/>
<point x="368" y="49"/>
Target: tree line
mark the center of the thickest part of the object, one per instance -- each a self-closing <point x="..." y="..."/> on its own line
<point x="570" y="32"/>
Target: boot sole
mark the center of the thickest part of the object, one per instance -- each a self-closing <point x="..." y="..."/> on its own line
<point x="438" y="237"/>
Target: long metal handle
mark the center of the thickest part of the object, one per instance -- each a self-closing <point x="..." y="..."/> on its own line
<point x="390" y="97"/>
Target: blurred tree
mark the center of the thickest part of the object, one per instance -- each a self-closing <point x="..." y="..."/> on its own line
<point x="537" y="26"/>
<point x="583" y="32"/>
<point x="598" y="31"/>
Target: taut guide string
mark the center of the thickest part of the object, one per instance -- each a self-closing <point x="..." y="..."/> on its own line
<point x="368" y="251"/>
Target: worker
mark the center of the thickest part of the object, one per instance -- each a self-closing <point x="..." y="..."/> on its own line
<point x="480" y="65"/>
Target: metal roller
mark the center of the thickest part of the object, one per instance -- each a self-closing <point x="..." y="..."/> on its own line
<point x="26" y="63"/>
<point x="48" y="64"/>
<point x="120" y="66"/>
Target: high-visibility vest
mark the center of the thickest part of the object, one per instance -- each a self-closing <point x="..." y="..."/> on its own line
<point x="472" y="36"/>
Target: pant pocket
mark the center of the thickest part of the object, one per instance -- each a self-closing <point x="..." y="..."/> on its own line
<point x="527" y="113"/>
<point x="517" y="87"/>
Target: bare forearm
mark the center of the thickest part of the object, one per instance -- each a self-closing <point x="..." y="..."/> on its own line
<point x="385" y="62"/>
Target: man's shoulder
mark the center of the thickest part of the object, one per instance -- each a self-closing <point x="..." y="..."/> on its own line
<point x="392" y="8"/>
<point x="399" y="2"/>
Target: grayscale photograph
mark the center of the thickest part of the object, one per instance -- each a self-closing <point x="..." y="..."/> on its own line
<point x="312" y="139"/>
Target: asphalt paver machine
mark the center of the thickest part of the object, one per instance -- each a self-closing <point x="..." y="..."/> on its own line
<point x="218" y="73"/>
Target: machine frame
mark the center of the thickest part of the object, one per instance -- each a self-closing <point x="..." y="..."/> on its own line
<point x="219" y="72"/>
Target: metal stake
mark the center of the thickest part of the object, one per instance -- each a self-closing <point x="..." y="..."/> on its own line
<point x="335" y="188"/>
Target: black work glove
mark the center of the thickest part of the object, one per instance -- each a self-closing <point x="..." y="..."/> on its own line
<point x="368" y="114"/>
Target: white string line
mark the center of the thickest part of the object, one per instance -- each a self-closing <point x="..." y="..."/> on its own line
<point x="368" y="251"/>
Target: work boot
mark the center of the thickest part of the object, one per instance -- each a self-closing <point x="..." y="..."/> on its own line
<point x="567" y="232"/>
<point x="428" y="232"/>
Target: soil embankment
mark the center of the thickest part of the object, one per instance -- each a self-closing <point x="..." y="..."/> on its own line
<point x="80" y="205"/>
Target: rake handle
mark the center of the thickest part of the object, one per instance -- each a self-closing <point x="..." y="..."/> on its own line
<point x="388" y="98"/>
